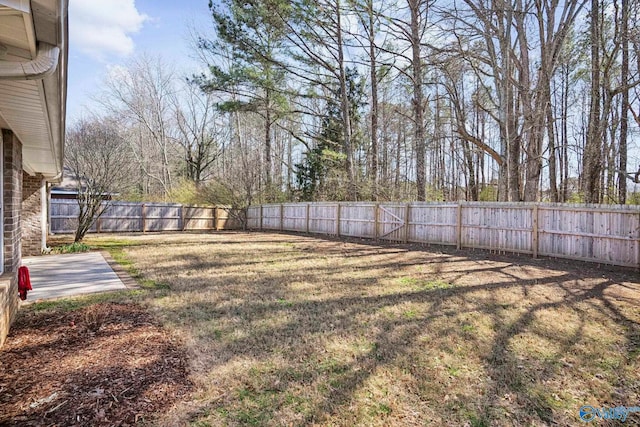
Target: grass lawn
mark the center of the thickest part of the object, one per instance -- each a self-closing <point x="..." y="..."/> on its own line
<point x="286" y="330"/>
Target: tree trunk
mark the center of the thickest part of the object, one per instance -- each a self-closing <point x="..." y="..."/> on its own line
<point x="624" y="107"/>
<point x="267" y="148"/>
<point x="592" y="158"/>
<point x="344" y="105"/>
<point x="553" y="169"/>
<point x="418" y="98"/>
<point x="472" y="189"/>
<point x="374" y="100"/>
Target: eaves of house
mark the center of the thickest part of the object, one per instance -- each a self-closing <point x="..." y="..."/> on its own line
<point x="33" y="80"/>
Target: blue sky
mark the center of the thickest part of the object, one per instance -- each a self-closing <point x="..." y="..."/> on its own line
<point x="107" y="33"/>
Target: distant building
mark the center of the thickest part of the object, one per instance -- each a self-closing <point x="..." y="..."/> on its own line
<point x="67" y="189"/>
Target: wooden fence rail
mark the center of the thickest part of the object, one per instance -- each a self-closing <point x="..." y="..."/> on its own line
<point x="605" y="234"/>
<point x="143" y="217"/>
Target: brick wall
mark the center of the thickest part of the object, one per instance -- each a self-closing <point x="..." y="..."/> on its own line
<point x="12" y="175"/>
<point x="32" y="214"/>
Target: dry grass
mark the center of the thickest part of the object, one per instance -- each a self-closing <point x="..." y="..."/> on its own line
<point x="291" y="330"/>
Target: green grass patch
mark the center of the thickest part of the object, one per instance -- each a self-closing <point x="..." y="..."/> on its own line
<point x="380" y="409"/>
<point x="256" y="407"/>
<point x="109" y="244"/>
<point x="410" y="314"/>
<point x="284" y="302"/>
<point x="72" y="248"/>
<point x="468" y="328"/>
<point x="424" y="285"/>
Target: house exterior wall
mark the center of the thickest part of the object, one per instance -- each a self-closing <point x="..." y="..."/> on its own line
<point x="32" y="220"/>
<point x="12" y="193"/>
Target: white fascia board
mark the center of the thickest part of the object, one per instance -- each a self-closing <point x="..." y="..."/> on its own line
<point x="20" y="5"/>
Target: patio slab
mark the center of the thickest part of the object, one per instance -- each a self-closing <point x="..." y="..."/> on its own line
<point x="58" y="276"/>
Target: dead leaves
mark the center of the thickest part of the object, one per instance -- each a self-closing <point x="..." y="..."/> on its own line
<point x="104" y="364"/>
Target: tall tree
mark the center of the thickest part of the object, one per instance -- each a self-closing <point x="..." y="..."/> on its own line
<point x="522" y="94"/>
<point x="316" y="42"/>
<point x="411" y="30"/>
<point x="318" y="174"/>
<point x="250" y="33"/>
<point x="143" y="94"/>
<point x="369" y="20"/>
<point x="624" y="104"/>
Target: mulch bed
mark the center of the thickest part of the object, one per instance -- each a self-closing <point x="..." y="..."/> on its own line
<point x="107" y="364"/>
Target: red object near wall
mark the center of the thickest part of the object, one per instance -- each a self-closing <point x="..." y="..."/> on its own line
<point x="24" y="282"/>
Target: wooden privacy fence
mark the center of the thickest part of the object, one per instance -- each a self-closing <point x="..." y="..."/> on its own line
<point x="142" y="217"/>
<point x="607" y="234"/>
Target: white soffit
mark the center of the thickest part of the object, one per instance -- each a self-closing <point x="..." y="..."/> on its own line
<point x="26" y="105"/>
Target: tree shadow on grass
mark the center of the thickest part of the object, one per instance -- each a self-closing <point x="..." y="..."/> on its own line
<point x="271" y="348"/>
<point x="506" y="372"/>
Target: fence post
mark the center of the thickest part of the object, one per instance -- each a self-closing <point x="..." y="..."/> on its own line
<point x="182" y="216"/>
<point x="376" y="211"/>
<point x="459" y="227"/>
<point x="216" y="216"/>
<point x="281" y="216"/>
<point x="338" y="220"/>
<point x="638" y="244"/>
<point x="535" y="231"/>
<point x="144" y="218"/>
<point x="261" y="214"/>
<point x="99" y="224"/>
<point x="406" y="223"/>
<point x="307" y="216"/>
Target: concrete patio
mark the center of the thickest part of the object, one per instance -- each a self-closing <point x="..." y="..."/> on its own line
<point x="58" y="276"/>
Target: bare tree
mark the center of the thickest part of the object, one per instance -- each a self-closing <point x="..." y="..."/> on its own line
<point x="198" y="132"/>
<point x="483" y="99"/>
<point x="143" y="93"/>
<point x="98" y="158"/>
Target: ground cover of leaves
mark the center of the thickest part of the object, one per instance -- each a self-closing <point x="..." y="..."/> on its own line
<point x="104" y="364"/>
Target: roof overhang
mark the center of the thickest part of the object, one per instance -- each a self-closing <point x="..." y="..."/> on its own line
<point x="33" y="80"/>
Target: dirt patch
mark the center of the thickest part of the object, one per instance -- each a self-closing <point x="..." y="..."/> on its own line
<point x="104" y="364"/>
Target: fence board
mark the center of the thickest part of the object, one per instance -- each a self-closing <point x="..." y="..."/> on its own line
<point x="498" y="227"/>
<point x="322" y="218"/>
<point x="228" y="219"/>
<point x="608" y="234"/>
<point x="253" y="217"/>
<point x="121" y="217"/>
<point x="294" y="217"/>
<point x="433" y="223"/>
<point x="199" y="218"/>
<point x="136" y="217"/>
<point x="600" y="236"/>
<point x="358" y="220"/>
<point x="271" y="217"/>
